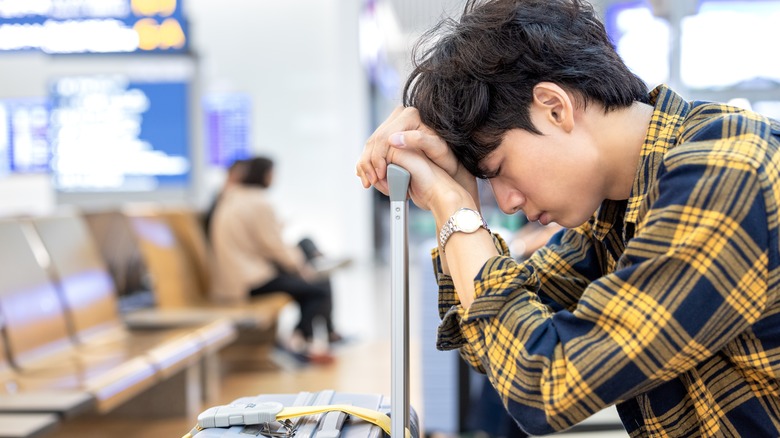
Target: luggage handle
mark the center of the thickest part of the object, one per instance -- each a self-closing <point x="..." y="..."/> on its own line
<point x="398" y="181"/>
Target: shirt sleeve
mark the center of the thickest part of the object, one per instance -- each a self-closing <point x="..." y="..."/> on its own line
<point x="564" y="267"/>
<point x="692" y="279"/>
<point x="559" y="272"/>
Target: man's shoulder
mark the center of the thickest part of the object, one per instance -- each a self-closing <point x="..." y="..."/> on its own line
<point x="721" y="135"/>
<point x="709" y="121"/>
<point x="723" y="153"/>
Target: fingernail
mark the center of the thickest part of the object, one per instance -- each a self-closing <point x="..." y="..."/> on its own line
<point x="397" y="139"/>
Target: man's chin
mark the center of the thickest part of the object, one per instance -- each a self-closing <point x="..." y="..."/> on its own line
<point x="570" y="222"/>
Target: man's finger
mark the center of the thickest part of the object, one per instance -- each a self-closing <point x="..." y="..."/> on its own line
<point x="362" y="175"/>
<point x="381" y="185"/>
<point x="429" y="144"/>
<point x="364" y="166"/>
<point x="402" y="119"/>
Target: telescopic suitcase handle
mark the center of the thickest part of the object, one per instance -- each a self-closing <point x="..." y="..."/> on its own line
<point x="398" y="180"/>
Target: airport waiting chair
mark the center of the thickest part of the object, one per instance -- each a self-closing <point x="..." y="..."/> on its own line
<point x="35" y="333"/>
<point x="90" y="298"/>
<point x="173" y="268"/>
<point x="174" y="273"/>
<point x="188" y="230"/>
<point x="39" y="341"/>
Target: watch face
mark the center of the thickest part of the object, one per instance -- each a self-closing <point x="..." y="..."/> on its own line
<point x="468" y="221"/>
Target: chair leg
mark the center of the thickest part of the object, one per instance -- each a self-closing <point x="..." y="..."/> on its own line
<point x="179" y="395"/>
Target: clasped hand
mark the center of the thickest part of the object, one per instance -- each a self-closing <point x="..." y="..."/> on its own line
<point x="438" y="179"/>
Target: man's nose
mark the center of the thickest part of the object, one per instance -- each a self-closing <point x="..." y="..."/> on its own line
<point x="509" y="200"/>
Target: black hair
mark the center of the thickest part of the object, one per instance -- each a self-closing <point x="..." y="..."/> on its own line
<point x="257" y="171"/>
<point x="236" y="164"/>
<point x="473" y="79"/>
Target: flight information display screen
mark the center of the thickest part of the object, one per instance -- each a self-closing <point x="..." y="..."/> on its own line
<point x="110" y="133"/>
<point x="227" y="118"/>
<point x="92" y="26"/>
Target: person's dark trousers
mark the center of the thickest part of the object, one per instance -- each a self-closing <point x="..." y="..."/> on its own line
<point x="324" y="284"/>
<point x="311" y="252"/>
<point x="314" y="300"/>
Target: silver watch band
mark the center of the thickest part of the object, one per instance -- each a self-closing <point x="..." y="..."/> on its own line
<point x="449" y="228"/>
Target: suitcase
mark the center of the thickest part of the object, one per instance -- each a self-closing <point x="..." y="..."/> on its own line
<point x="259" y="415"/>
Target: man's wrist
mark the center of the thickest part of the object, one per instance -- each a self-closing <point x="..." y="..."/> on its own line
<point x="468" y="182"/>
<point x="448" y="203"/>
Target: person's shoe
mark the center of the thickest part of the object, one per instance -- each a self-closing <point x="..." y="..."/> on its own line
<point x="291" y="357"/>
<point x="320" y="358"/>
<point x="319" y="354"/>
<point x="336" y="338"/>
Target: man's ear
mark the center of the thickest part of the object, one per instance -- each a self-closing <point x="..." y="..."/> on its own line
<point x="555" y="104"/>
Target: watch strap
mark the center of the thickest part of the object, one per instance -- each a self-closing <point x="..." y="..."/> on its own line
<point x="450" y="227"/>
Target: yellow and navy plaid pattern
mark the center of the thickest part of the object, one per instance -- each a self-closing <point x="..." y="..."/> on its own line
<point x="665" y="304"/>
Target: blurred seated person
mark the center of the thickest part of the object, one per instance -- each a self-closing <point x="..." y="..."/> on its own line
<point x="235" y="173"/>
<point x="322" y="264"/>
<point x="252" y="259"/>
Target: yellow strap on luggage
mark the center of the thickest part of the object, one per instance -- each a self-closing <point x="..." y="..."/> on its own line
<point x="374" y="417"/>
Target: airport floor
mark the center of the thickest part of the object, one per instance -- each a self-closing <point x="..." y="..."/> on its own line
<point x="362" y="364"/>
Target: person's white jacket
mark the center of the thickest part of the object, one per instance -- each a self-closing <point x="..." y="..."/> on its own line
<point x="247" y="244"/>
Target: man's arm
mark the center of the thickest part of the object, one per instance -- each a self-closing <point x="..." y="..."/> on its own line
<point x="558" y="273"/>
<point x="695" y="277"/>
<point x="564" y="267"/>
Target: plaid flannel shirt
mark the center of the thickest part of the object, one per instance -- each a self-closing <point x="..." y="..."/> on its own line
<point x="665" y="304"/>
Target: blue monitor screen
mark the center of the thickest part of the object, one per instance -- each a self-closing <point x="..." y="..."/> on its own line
<point x="227" y="120"/>
<point x="110" y="133"/>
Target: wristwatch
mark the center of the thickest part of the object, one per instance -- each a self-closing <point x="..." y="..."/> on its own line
<point x="464" y="220"/>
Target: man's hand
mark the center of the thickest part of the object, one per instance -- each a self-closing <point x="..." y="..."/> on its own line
<point x="404" y="129"/>
<point x="431" y="188"/>
<point x="439" y="183"/>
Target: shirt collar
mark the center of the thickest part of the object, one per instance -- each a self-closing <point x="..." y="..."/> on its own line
<point x="670" y="110"/>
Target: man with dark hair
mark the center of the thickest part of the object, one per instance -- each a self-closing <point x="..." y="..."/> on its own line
<point x="661" y="294"/>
